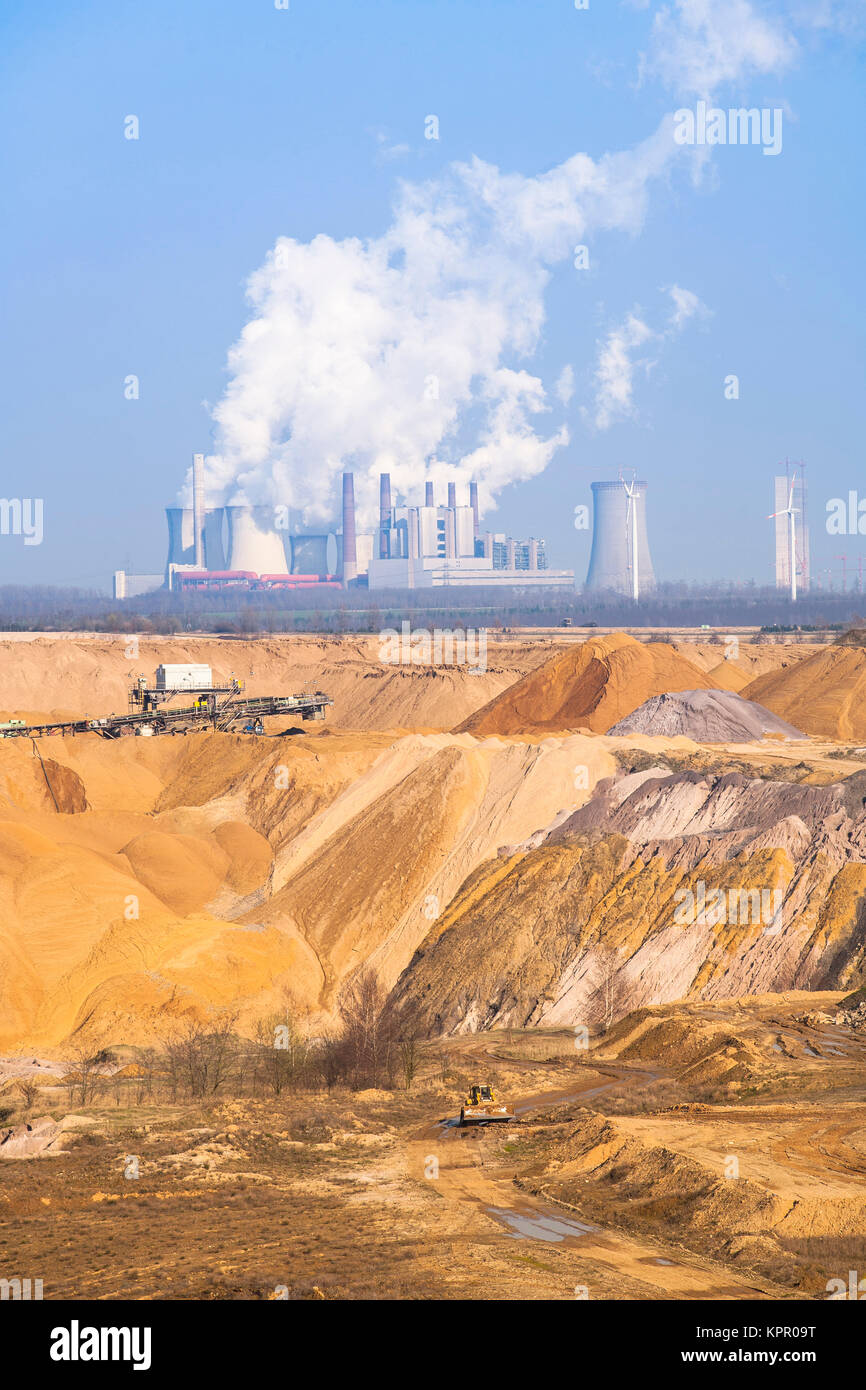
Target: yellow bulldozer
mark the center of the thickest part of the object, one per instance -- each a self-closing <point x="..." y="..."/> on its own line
<point x="482" y="1106"/>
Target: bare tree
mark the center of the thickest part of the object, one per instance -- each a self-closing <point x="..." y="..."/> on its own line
<point x="369" y="1032"/>
<point x="29" y="1093"/>
<point x="284" y="1052"/>
<point x="409" y="1058"/>
<point x="612" y="990"/>
<point x="203" y="1057"/>
<point x="85" y="1078"/>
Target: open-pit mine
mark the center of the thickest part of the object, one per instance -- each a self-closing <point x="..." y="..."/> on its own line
<point x="256" y="960"/>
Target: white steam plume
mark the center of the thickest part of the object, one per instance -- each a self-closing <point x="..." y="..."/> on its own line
<point x="405" y="353"/>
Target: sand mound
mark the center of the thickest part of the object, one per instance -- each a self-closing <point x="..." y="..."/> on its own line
<point x="590" y="686"/>
<point x="729" y="676"/>
<point x="176" y="868"/>
<point x="750" y="656"/>
<point x="707" y="716"/>
<point x="825" y="694"/>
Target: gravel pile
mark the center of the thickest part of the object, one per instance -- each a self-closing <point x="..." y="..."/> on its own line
<point x="707" y="716"/>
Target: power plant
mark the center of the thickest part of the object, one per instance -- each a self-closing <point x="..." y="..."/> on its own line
<point x="254" y="548"/>
<point x="620" y="556"/>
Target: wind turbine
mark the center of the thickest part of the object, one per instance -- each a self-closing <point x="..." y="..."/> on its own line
<point x="631" y="514"/>
<point x="791" y="512"/>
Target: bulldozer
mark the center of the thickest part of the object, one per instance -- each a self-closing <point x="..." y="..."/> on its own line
<point x="482" y="1106"/>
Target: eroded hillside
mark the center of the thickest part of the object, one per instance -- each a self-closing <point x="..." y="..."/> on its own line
<point x="664" y="885"/>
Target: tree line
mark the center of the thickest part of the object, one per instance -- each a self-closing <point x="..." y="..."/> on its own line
<point x="369" y="1047"/>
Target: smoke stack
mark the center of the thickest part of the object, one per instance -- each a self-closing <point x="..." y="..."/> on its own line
<point x="198" y="508"/>
<point x="384" y="514"/>
<point x="414" y="533"/>
<point x="473" y="502"/>
<point x="428" y="495"/>
<point x="350" y="552"/>
<point x="452" y="494"/>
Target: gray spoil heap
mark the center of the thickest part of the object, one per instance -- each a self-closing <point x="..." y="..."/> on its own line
<point x="707" y="716"/>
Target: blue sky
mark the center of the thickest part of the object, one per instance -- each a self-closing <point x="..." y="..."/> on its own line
<point x="132" y="256"/>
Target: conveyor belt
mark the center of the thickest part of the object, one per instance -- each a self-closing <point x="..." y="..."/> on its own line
<point x="223" y="717"/>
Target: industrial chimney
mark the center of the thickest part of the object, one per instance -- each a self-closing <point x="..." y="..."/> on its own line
<point x="452" y="494"/>
<point x="613" y="526"/>
<point x="473" y="502"/>
<point x="198" y="509"/>
<point x="384" y="515"/>
<point x="428" y="495"/>
<point x="350" y="551"/>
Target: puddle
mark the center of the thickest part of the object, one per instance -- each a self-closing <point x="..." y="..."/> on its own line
<point x="527" y="1226"/>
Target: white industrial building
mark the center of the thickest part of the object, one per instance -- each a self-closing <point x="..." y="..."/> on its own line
<point x="425" y="547"/>
<point x="126" y="585"/>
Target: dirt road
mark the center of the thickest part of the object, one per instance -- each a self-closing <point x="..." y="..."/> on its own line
<point x="469" y="1172"/>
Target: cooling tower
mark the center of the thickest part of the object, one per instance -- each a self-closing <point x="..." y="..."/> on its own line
<point x="610" y="564"/>
<point x="198" y="509"/>
<point x="384" y="514"/>
<point x="428" y="495"/>
<point x="214" y="546"/>
<point x="349" y="568"/>
<point x="473" y="502"/>
<point x="181" y="549"/>
<point x="314" y="554"/>
<point x="255" y="544"/>
<point x="181" y="537"/>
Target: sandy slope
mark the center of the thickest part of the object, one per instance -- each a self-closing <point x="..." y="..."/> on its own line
<point x="234" y="870"/>
<point x="825" y="694"/>
<point x="599" y="904"/>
